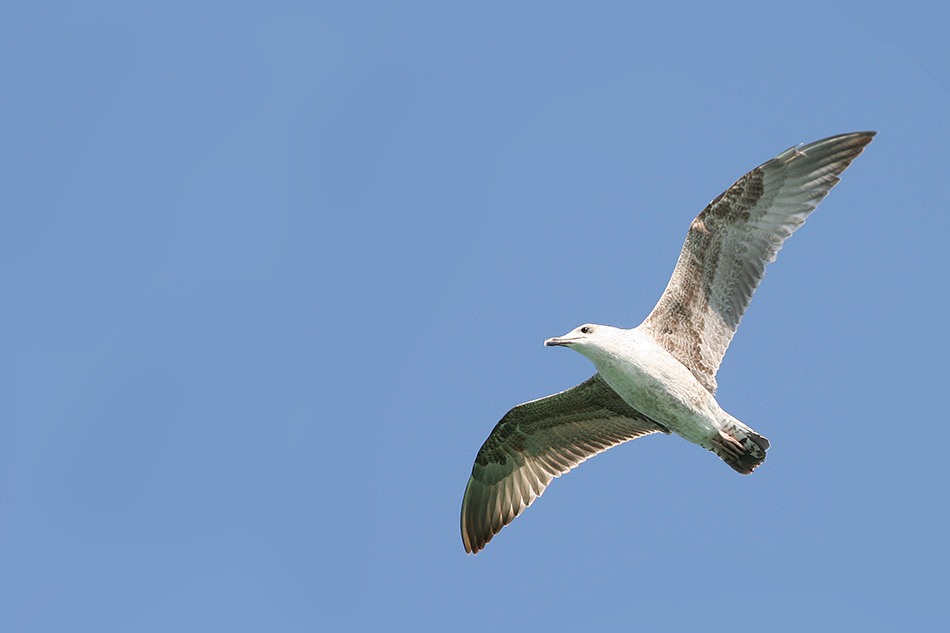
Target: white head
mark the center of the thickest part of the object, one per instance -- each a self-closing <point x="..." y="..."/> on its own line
<point x="593" y="341"/>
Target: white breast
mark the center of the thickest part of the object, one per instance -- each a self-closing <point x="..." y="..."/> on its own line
<point x="651" y="380"/>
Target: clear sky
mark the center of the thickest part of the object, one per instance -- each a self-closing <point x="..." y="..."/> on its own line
<point x="271" y="273"/>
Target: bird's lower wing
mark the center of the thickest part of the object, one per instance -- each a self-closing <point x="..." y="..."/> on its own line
<point x="537" y="441"/>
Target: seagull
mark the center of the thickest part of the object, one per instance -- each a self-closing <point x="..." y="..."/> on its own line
<point x="660" y="377"/>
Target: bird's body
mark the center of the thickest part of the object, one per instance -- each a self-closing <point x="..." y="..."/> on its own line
<point x="661" y="375"/>
<point x="649" y="378"/>
<point x="654" y="382"/>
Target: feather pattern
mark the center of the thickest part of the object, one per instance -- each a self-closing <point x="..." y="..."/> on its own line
<point x="537" y="441"/>
<point x="729" y="244"/>
<point x="662" y="374"/>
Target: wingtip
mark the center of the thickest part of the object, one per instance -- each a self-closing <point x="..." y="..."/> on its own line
<point x="473" y="545"/>
<point x="868" y="134"/>
<point x="474" y="536"/>
<point x="839" y="149"/>
<point x="855" y="141"/>
<point x="861" y="138"/>
<point x="469" y="539"/>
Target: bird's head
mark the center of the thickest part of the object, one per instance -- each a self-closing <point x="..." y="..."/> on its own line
<point x="589" y="339"/>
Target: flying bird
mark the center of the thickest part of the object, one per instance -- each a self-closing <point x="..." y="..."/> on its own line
<point x="660" y="377"/>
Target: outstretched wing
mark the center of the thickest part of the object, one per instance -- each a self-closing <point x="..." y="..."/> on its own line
<point x="537" y="441"/>
<point x="730" y="243"/>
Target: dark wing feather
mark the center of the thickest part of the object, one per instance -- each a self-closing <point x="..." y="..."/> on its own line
<point x="537" y="441"/>
<point x="730" y="243"/>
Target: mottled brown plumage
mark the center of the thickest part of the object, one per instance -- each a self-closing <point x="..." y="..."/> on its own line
<point x="660" y="376"/>
<point x="537" y="441"/>
<point x="730" y="243"/>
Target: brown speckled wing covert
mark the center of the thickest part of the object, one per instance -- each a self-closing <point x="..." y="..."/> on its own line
<point x="730" y="243"/>
<point x="537" y="441"/>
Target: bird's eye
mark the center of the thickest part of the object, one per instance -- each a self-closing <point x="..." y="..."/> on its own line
<point x="586" y="330"/>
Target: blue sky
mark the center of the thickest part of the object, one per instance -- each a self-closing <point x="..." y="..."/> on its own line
<point x="272" y="272"/>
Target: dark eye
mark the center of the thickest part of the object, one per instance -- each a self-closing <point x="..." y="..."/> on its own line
<point x="586" y="330"/>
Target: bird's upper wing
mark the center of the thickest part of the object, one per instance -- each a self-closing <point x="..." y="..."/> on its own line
<point x="537" y="441"/>
<point x="730" y="243"/>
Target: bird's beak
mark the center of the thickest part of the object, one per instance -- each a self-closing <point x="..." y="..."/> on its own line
<point x="559" y="340"/>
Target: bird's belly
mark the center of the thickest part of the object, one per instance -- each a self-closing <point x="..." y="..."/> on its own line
<point x="667" y="392"/>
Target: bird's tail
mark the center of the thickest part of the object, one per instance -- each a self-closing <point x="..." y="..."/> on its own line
<point x="739" y="446"/>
